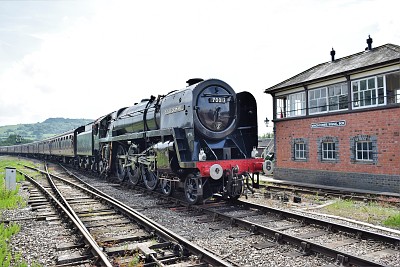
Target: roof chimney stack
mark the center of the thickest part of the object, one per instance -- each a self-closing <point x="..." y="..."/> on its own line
<point x="369" y="42"/>
<point x="333" y="54"/>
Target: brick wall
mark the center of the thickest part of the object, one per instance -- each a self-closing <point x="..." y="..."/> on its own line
<point x="365" y="181"/>
<point x="382" y="126"/>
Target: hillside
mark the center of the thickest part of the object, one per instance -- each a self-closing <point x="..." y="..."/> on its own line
<point x="40" y="130"/>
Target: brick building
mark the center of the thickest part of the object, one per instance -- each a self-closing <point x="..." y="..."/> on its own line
<point x="338" y="123"/>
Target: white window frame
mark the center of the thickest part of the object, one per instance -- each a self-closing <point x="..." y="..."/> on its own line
<point x="362" y="95"/>
<point x="366" y="153"/>
<point x="329" y="149"/>
<point x="281" y="108"/>
<point x="343" y="87"/>
<point x="318" y="95"/>
<point x="397" y="96"/>
<point x="299" y="150"/>
<point x="322" y="94"/>
<point x="296" y="104"/>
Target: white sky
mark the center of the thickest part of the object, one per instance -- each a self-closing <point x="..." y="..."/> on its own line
<point x="84" y="59"/>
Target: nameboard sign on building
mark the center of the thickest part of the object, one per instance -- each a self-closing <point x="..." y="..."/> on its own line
<point x="328" y="124"/>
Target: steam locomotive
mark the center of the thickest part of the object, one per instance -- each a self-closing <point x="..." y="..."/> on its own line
<point x="201" y="139"/>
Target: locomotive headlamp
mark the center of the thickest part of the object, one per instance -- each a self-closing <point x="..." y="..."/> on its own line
<point x="254" y="153"/>
<point x="216" y="171"/>
<point x="202" y="155"/>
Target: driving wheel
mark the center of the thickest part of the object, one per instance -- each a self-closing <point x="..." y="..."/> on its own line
<point x="120" y="162"/>
<point x="166" y="186"/>
<point x="149" y="177"/>
<point x="191" y="188"/>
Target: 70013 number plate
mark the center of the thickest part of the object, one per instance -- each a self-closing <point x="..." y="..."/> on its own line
<point x="217" y="100"/>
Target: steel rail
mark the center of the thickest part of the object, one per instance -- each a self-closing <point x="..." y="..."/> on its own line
<point x="305" y="246"/>
<point x="151" y="224"/>
<point x="324" y="223"/>
<point x="88" y="239"/>
<point x="344" y="193"/>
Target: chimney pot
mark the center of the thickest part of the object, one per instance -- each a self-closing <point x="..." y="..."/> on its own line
<point x="369" y="42"/>
<point x="333" y="54"/>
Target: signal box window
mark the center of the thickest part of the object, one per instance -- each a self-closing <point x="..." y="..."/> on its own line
<point x="328" y="151"/>
<point x="281" y="107"/>
<point x="364" y="149"/>
<point x="296" y="104"/>
<point x="300" y="149"/>
<point x="368" y="92"/>
<point x="328" y="99"/>
<point x="317" y="100"/>
<point x="393" y="87"/>
<point x="291" y="105"/>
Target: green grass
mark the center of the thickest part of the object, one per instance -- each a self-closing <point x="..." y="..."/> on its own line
<point x="393" y="221"/>
<point x="371" y="212"/>
<point x="9" y="199"/>
<point x="5" y="233"/>
<point x="6" y="257"/>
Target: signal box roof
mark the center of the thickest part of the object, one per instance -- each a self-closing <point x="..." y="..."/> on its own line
<point x="378" y="56"/>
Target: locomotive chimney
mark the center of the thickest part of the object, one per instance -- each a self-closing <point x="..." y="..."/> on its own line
<point x="333" y="54"/>
<point x="369" y="42"/>
<point x="193" y="81"/>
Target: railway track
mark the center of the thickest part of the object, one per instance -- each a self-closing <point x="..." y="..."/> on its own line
<point x="342" y="245"/>
<point x="279" y="187"/>
<point x="111" y="233"/>
<point x="310" y="235"/>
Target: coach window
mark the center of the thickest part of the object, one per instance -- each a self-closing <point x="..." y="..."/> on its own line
<point x="364" y="149"/>
<point x="299" y="149"/>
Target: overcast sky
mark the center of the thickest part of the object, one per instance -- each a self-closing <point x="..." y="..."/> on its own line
<point x="84" y="59"/>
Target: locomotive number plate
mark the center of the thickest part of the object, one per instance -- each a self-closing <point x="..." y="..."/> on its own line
<point x="217" y="100"/>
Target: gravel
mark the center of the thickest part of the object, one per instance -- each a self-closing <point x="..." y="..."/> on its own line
<point x="37" y="240"/>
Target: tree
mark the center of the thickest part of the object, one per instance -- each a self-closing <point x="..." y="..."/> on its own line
<point x="267" y="135"/>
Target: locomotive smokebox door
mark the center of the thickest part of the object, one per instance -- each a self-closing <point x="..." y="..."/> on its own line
<point x="11" y="180"/>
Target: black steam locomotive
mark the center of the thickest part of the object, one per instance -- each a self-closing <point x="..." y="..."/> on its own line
<point x="202" y="139"/>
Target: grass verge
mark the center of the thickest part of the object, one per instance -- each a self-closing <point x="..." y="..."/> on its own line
<point x="371" y="212"/>
<point x="9" y="199"/>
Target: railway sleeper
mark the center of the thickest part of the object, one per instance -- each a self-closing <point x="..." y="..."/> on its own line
<point x="73" y="258"/>
<point x="69" y="246"/>
<point x="143" y="247"/>
<point x="102" y="223"/>
<point x="122" y="238"/>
